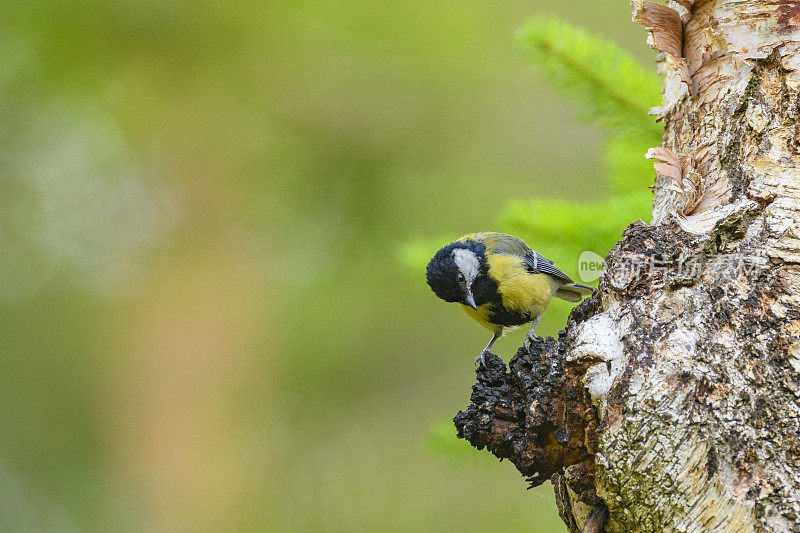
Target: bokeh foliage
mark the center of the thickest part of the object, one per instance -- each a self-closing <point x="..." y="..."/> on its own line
<point x="203" y="324"/>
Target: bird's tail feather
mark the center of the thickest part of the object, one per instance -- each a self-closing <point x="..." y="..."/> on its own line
<point x="574" y="292"/>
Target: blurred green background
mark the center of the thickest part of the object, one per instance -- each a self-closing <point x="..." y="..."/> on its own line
<point x="204" y="324"/>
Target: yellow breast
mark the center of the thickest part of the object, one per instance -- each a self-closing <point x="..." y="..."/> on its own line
<point x="482" y="317"/>
<point x="519" y="290"/>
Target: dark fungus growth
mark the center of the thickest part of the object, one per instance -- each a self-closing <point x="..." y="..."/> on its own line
<point x="535" y="413"/>
<point x="538" y="415"/>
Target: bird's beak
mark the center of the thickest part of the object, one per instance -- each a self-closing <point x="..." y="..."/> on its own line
<point x="470" y="300"/>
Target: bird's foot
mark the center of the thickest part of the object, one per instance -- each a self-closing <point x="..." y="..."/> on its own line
<point x="531" y="334"/>
<point x="480" y="360"/>
<point x="529" y="341"/>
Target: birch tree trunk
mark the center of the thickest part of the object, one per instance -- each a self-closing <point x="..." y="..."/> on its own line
<point x="672" y="400"/>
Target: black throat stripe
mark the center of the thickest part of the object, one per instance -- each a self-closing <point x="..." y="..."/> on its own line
<point x="503" y="316"/>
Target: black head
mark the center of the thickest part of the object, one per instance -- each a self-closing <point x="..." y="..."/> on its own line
<point x="453" y="271"/>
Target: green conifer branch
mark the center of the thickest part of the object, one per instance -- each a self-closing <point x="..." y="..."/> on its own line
<point x="611" y="86"/>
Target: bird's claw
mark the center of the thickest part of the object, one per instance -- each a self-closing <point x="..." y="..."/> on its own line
<point x="480" y="360"/>
<point x="529" y="341"/>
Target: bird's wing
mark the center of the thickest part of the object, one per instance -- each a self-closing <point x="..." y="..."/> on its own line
<point x="536" y="263"/>
<point x="502" y="243"/>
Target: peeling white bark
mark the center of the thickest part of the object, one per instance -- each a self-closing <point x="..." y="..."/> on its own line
<point x="599" y="347"/>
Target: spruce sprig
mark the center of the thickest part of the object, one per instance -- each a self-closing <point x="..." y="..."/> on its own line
<point x="612" y="88"/>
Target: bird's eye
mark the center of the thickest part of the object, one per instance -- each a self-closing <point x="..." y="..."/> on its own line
<point x="461" y="278"/>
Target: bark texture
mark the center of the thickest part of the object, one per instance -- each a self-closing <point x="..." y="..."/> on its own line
<point x="672" y="400"/>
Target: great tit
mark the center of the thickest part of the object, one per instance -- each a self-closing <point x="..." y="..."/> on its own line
<point x="500" y="282"/>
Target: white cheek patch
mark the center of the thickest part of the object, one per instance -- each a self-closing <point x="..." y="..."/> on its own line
<point x="467" y="262"/>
